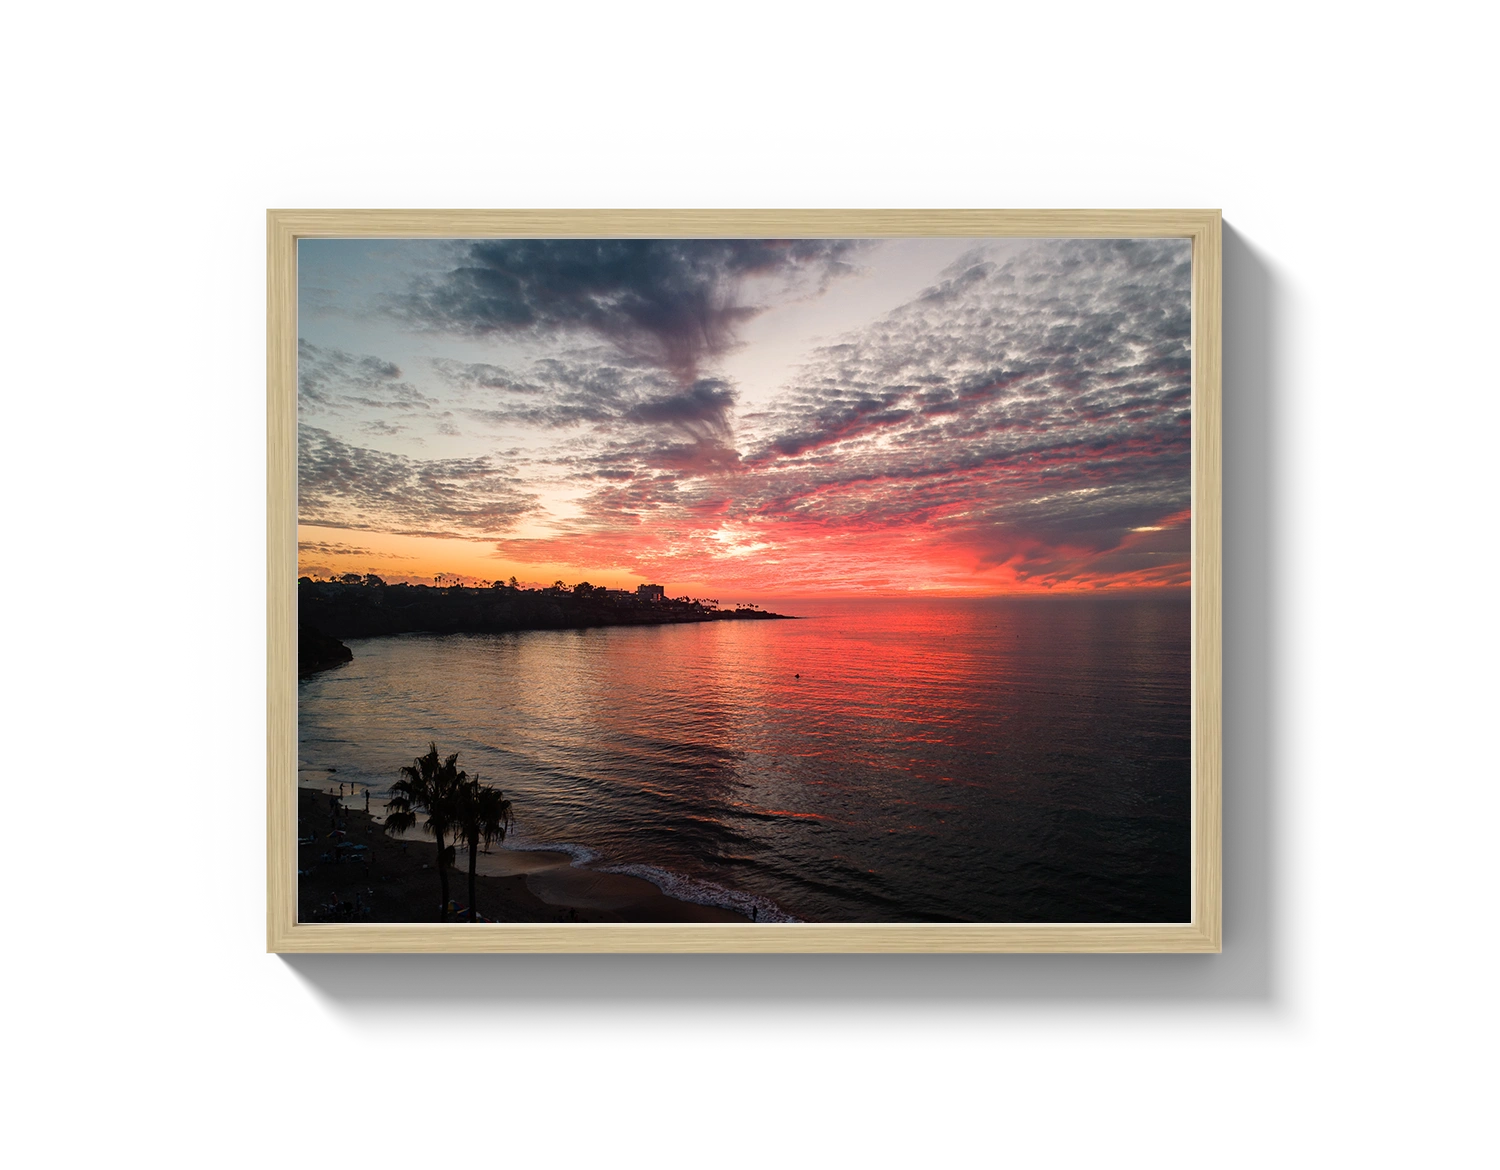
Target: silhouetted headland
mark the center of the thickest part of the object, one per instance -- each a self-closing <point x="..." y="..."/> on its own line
<point x="366" y="607"/>
<point x="317" y="651"/>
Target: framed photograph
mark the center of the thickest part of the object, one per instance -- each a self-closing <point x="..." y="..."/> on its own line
<point x="807" y="545"/>
<point x="743" y="581"/>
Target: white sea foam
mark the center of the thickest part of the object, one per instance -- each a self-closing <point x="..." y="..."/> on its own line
<point x="674" y="885"/>
<point x="705" y="893"/>
<point x="581" y="854"/>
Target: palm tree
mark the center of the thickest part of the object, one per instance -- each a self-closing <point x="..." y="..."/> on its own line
<point x="483" y="816"/>
<point x="430" y="785"/>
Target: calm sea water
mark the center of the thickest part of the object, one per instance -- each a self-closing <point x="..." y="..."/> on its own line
<point x="953" y="760"/>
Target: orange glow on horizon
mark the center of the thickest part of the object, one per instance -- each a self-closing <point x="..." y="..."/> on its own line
<point x="791" y="558"/>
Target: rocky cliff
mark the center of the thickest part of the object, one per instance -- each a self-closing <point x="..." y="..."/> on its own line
<point x="317" y="651"/>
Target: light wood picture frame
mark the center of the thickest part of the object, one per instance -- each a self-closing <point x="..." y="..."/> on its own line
<point x="285" y="934"/>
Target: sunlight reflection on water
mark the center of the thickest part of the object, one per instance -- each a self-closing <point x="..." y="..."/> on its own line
<point x="974" y="760"/>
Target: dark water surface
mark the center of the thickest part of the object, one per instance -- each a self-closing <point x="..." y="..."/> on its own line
<point x="975" y="760"/>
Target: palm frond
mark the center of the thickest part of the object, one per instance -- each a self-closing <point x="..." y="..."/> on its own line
<point x="482" y="814"/>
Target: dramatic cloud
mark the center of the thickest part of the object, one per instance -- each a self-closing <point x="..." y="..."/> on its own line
<point x="1075" y="337"/>
<point x="1021" y="423"/>
<point x="673" y="303"/>
<point x="342" y="486"/>
<point x="1039" y="402"/>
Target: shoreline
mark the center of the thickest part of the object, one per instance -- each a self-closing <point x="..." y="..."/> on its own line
<point x="364" y="875"/>
<point x="318" y="652"/>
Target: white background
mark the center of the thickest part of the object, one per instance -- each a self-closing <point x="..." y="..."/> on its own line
<point x="1349" y="1020"/>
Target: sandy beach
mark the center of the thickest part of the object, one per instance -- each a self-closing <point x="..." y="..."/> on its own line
<point x="363" y="875"/>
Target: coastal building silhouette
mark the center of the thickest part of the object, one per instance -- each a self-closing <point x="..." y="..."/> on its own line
<point x="651" y="592"/>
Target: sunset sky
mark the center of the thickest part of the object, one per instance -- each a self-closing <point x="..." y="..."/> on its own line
<point x="745" y="419"/>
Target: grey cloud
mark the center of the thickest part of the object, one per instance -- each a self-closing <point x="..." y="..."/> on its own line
<point x="572" y="389"/>
<point x="308" y="552"/>
<point x="650" y="420"/>
<point x="700" y="419"/>
<point x="483" y="376"/>
<point x="343" y="486"/>
<point x="333" y="547"/>
<point x="330" y="380"/>
<point x="672" y="303"/>
<point x="706" y="402"/>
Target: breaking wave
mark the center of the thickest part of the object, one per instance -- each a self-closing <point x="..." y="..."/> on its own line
<point x="705" y="893"/>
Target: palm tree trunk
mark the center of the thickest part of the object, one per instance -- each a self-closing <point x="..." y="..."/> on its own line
<point x="442" y="878"/>
<point x="473" y="860"/>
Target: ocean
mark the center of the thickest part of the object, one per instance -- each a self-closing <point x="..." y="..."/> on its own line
<point x="892" y="760"/>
